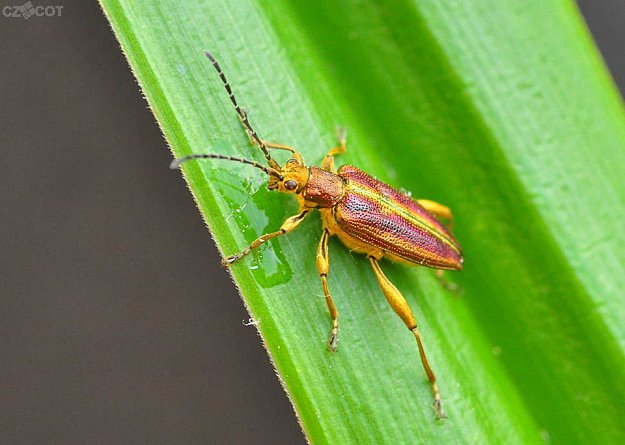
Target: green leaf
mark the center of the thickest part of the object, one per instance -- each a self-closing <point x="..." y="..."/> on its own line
<point x="501" y="110"/>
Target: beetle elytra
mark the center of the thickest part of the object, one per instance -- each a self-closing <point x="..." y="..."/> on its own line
<point x="367" y="215"/>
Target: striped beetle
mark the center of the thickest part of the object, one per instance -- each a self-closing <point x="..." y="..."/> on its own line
<point x="367" y="215"/>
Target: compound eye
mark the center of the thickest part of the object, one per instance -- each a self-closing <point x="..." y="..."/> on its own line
<point x="290" y="185"/>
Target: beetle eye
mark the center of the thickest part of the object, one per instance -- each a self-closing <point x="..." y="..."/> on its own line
<point x="290" y="185"/>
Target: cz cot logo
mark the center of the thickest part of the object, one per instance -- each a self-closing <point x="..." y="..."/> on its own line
<point x="28" y="10"/>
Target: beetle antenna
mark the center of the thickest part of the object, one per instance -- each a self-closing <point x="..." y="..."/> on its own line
<point x="240" y="112"/>
<point x="270" y="171"/>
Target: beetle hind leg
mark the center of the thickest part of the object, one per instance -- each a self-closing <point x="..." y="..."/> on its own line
<point x="439" y="210"/>
<point x="401" y="308"/>
<point x="323" y="264"/>
<point x="445" y="284"/>
<point x="442" y="212"/>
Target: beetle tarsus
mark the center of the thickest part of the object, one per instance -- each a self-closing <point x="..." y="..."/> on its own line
<point x="333" y="340"/>
<point x="437" y="405"/>
<point x="341" y="136"/>
<point x="226" y="262"/>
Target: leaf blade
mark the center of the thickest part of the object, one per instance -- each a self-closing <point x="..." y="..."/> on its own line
<point x="298" y="81"/>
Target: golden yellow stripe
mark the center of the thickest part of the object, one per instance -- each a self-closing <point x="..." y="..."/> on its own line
<point x="421" y="223"/>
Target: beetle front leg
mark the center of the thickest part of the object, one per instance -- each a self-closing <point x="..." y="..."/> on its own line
<point x="296" y="155"/>
<point x="328" y="161"/>
<point x="401" y="308"/>
<point x="289" y="225"/>
<point x="268" y="144"/>
<point x="323" y="264"/>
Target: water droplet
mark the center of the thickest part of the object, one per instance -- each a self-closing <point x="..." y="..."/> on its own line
<point x="251" y="212"/>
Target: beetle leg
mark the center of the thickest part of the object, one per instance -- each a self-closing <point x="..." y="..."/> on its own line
<point x="296" y="155"/>
<point x="328" y="161"/>
<point x="289" y="225"/>
<point x="401" y="308"/>
<point x="451" y="287"/>
<point x="278" y="146"/>
<point x="268" y="144"/>
<point x="441" y="212"/>
<point x="438" y="210"/>
<point x="323" y="264"/>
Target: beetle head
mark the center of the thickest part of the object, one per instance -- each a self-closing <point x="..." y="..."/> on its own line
<point x="293" y="177"/>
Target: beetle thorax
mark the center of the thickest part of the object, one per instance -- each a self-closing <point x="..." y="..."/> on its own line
<point x="324" y="188"/>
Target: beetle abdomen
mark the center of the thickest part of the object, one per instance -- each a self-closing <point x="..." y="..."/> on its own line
<point x="382" y="216"/>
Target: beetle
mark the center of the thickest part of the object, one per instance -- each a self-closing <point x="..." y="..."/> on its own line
<point x="367" y="215"/>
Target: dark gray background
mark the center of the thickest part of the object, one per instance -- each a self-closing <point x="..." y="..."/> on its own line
<point x="117" y="324"/>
